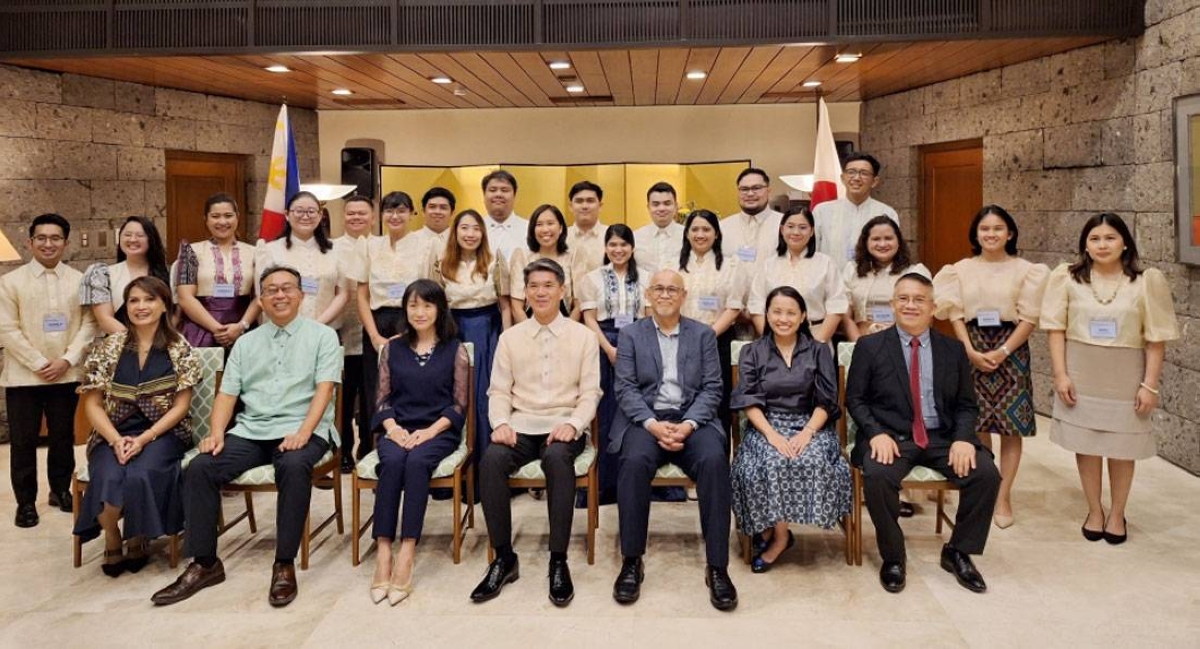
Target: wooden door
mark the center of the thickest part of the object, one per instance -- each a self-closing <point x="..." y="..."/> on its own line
<point x="951" y="192"/>
<point x="191" y="179"/>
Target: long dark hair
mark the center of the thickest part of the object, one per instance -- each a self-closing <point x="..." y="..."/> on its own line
<point x="165" y="334"/>
<point x="531" y="239"/>
<point x="156" y="255"/>
<point x="1010" y="246"/>
<point x="811" y="248"/>
<point x="1081" y="271"/>
<point x="686" y="252"/>
<point x="787" y="291"/>
<point x="865" y="263"/>
<point x="624" y="233"/>
<point x="320" y="234"/>
<point x="429" y="291"/>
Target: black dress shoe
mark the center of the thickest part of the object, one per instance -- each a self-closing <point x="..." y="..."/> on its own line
<point x="62" y="500"/>
<point x="194" y="578"/>
<point x="891" y="575"/>
<point x="721" y="591"/>
<point x="27" y="515"/>
<point x="1116" y="539"/>
<point x="562" y="591"/>
<point x="628" y="586"/>
<point x="761" y="565"/>
<point x="906" y="509"/>
<point x="347" y="465"/>
<point x="964" y="570"/>
<point x="499" y="572"/>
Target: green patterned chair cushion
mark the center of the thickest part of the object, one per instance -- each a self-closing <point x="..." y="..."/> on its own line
<point x="533" y="470"/>
<point x="259" y="475"/>
<point x="669" y="471"/>
<point x="919" y="473"/>
<point x="368" y="467"/>
<point x="735" y="351"/>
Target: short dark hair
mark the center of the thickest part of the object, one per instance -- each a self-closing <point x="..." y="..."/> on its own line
<point x="751" y="171"/>
<point x="1010" y="246"/>
<point x="51" y="219"/>
<point x="859" y="155"/>
<point x="1081" y="270"/>
<point x="500" y="175"/>
<point x="788" y="291"/>
<point x="547" y="266"/>
<point x="584" y="186"/>
<point x="431" y="292"/>
<point x="919" y="278"/>
<point x="220" y="197"/>
<point x="531" y="239"/>
<point x="439" y="192"/>
<point x="277" y="268"/>
<point x="811" y="248"/>
<point x="663" y="187"/>
<point x="396" y="200"/>
<point x="357" y="198"/>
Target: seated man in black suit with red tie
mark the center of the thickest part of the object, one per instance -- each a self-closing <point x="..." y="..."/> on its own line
<point x="910" y="393"/>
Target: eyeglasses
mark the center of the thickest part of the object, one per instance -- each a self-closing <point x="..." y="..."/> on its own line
<point x="858" y="173"/>
<point x="753" y="189"/>
<point x="669" y="291"/>
<point x="43" y="239"/>
<point x="308" y="213"/>
<point x="287" y="289"/>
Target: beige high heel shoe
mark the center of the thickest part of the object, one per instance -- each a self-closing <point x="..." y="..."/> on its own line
<point x="379" y="591"/>
<point x="397" y="593"/>
<point x="1003" y="522"/>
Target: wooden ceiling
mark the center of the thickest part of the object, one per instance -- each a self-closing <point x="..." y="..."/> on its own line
<point x="621" y="77"/>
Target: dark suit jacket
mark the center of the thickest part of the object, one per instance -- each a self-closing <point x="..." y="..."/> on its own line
<point x="638" y="376"/>
<point x="880" y="401"/>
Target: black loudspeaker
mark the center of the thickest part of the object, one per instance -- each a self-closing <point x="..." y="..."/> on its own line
<point x="360" y="167"/>
<point x="844" y="148"/>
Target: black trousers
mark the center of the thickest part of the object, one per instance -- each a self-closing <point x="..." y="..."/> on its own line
<point x="355" y="408"/>
<point x="977" y="498"/>
<point x="26" y="406"/>
<point x="703" y="459"/>
<point x="558" y="463"/>
<point x="207" y="473"/>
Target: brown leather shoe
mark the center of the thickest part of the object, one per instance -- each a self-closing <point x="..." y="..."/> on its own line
<point x="194" y="579"/>
<point x="283" y="584"/>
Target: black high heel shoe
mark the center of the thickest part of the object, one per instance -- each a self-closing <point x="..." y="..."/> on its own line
<point x="1091" y="535"/>
<point x="113" y="570"/>
<point x="1117" y="539"/>
<point x="761" y="565"/>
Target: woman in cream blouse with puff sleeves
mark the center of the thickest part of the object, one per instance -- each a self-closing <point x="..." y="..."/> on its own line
<point x="881" y="258"/>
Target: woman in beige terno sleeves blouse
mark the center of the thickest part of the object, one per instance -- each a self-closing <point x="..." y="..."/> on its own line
<point x="1108" y="323"/>
<point x="992" y="300"/>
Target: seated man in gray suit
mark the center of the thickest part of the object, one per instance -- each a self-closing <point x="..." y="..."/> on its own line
<point x="668" y="387"/>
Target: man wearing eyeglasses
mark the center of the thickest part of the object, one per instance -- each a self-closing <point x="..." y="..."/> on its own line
<point x="752" y="233"/>
<point x="285" y="373"/>
<point x="668" y="387"/>
<point x="839" y="222"/>
<point x="45" y="334"/>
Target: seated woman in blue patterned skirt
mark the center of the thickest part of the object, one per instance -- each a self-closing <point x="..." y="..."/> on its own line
<point x="789" y="467"/>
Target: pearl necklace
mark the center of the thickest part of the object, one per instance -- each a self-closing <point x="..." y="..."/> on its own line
<point x="1102" y="301"/>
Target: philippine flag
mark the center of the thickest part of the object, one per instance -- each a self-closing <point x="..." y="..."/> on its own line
<point x="827" y="170"/>
<point x="283" y="181"/>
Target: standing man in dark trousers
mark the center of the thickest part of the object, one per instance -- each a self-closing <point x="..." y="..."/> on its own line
<point x="911" y="395"/>
<point x="359" y="221"/>
<point x="285" y="373"/>
<point x="45" y="334"/>
<point x="668" y="385"/>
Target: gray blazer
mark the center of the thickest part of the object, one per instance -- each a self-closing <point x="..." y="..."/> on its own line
<point x="638" y="376"/>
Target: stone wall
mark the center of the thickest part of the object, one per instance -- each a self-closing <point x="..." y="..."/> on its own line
<point x="93" y="150"/>
<point x="1065" y="137"/>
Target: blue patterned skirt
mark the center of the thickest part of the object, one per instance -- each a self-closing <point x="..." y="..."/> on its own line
<point x="768" y="488"/>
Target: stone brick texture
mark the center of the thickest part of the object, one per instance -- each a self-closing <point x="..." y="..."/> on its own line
<point x="1064" y="137"/>
<point x="94" y="150"/>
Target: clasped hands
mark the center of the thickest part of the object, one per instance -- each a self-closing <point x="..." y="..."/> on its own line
<point x="127" y="447"/>
<point x="885" y="450"/>
<point x="670" y="436"/>
<point x="408" y="440"/>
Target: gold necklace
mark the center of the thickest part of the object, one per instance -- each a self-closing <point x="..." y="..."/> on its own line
<point x="1102" y="301"/>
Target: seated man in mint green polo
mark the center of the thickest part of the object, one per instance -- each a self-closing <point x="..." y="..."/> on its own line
<point x="285" y="373"/>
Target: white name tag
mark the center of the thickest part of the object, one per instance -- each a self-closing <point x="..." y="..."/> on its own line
<point x="708" y="303"/>
<point x="223" y="290"/>
<point x="54" y="322"/>
<point x="882" y="314"/>
<point x="395" y="290"/>
<point x="309" y="285"/>
<point x="1102" y="329"/>
<point x="622" y="320"/>
<point x="988" y="318"/>
<point x="747" y="253"/>
<point x="850" y="252"/>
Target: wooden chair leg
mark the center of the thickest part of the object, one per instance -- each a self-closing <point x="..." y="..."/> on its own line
<point x="77" y="490"/>
<point x="337" y="497"/>
<point x="470" y="496"/>
<point x="857" y="506"/>
<point x="593" y="503"/>
<point x="173" y="550"/>
<point x="456" y="545"/>
<point x="250" y="512"/>
<point x="941" y="503"/>
<point x="355" y="502"/>
<point x="304" y="543"/>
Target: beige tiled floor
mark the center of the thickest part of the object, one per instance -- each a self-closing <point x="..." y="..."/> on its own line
<point x="1048" y="587"/>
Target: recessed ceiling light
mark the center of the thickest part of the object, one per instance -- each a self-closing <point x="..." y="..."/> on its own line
<point x="696" y="75"/>
<point x="847" y="57"/>
<point x="342" y="91"/>
<point x="575" y="87"/>
<point x="277" y="68"/>
<point x="560" y="65"/>
<point x="811" y="84"/>
<point x="442" y="79"/>
<point x="459" y="92"/>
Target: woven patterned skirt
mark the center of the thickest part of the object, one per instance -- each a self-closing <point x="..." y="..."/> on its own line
<point x="812" y="489"/>
<point x="1005" y="395"/>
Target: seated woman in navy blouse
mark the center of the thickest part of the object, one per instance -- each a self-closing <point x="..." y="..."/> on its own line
<point x="419" y="417"/>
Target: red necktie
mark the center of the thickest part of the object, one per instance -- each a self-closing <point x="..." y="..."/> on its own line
<point x="914" y="384"/>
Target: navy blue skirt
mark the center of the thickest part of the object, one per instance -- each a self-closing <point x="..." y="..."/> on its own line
<point x="481" y="327"/>
<point x="147" y="489"/>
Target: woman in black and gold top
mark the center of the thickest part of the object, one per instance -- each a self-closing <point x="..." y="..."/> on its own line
<point x="136" y="389"/>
